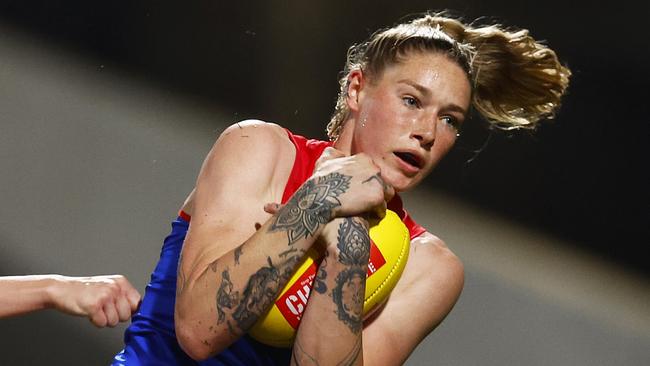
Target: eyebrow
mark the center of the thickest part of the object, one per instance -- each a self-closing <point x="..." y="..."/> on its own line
<point x="427" y="93"/>
<point x="422" y="89"/>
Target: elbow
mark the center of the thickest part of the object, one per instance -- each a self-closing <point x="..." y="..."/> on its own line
<point x="188" y="334"/>
<point x="198" y="340"/>
<point x="190" y="342"/>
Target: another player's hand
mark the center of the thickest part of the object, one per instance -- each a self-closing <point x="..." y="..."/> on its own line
<point x="354" y="183"/>
<point x="105" y="300"/>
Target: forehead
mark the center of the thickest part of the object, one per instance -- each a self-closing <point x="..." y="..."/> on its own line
<point x="434" y="71"/>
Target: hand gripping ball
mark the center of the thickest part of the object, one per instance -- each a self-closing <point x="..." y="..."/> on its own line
<point x="389" y="250"/>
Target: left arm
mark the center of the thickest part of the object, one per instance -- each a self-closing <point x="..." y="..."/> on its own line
<point x="427" y="291"/>
<point x="330" y="331"/>
<point x="105" y="300"/>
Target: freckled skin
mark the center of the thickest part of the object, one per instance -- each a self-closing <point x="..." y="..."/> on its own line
<point x="391" y="124"/>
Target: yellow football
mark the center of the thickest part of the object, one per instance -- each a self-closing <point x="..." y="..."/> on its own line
<point x="389" y="248"/>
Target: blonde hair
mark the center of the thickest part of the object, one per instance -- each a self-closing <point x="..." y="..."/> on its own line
<point x="516" y="81"/>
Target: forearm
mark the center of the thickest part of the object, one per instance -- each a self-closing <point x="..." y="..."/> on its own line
<point x="220" y="299"/>
<point x="222" y="294"/>
<point x="24" y="294"/>
<point x="330" y="331"/>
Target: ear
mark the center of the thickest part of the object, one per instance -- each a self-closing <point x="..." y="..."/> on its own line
<point x="356" y="83"/>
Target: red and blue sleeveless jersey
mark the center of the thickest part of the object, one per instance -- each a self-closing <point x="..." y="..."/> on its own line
<point x="150" y="339"/>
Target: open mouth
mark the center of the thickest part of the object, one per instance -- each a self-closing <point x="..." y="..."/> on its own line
<point x="409" y="158"/>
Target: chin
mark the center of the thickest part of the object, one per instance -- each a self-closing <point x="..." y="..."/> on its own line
<point x="402" y="184"/>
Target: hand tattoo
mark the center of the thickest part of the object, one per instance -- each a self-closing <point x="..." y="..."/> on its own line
<point x="311" y="206"/>
<point x="379" y="179"/>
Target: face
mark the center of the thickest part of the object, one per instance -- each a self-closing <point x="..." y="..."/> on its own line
<point x="408" y="119"/>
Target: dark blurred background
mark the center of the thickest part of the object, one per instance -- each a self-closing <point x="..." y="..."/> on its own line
<point x="582" y="177"/>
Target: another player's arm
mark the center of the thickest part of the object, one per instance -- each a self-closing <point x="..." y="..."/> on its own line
<point x="105" y="300"/>
<point x="427" y="291"/>
<point x="330" y="331"/>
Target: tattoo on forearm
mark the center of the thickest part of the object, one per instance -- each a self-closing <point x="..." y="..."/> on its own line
<point x="299" y="357"/>
<point x="238" y="253"/>
<point x="289" y="251"/>
<point x="321" y="276"/>
<point x="261" y="291"/>
<point x="311" y="206"/>
<point x="348" y="297"/>
<point x="213" y="265"/>
<point x="348" y="293"/>
<point x="231" y="329"/>
<point x="226" y="298"/>
<point x="353" y="243"/>
<point x="352" y="356"/>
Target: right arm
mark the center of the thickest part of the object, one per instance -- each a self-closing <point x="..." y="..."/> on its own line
<point x="232" y="266"/>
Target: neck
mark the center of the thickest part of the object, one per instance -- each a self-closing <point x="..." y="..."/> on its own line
<point x="345" y="139"/>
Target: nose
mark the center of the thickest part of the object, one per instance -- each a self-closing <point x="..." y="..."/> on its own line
<point x="424" y="132"/>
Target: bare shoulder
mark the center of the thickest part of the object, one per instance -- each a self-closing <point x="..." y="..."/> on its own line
<point x="253" y="152"/>
<point x="264" y="135"/>
<point x="431" y="251"/>
<point x="249" y="156"/>
<point x="433" y="270"/>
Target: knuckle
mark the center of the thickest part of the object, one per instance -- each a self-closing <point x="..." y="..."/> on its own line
<point x="96" y="306"/>
<point x="119" y="279"/>
<point x="104" y="296"/>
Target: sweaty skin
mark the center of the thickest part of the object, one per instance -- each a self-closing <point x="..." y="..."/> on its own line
<point x="236" y="257"/>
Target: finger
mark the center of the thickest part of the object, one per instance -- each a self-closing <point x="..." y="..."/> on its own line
<point x="112" y="318"/>
<point x="98" y="318"/>
<point x="132" y="295"/>
<point x="135" y="299"/>
<point x="272" y="208"/>
<point x="389" y="192"/>
<point x="123" y="308"/>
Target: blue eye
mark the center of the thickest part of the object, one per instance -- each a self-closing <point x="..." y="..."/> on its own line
<point x="411" y="102"/>
<point x="452" y="122"/>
